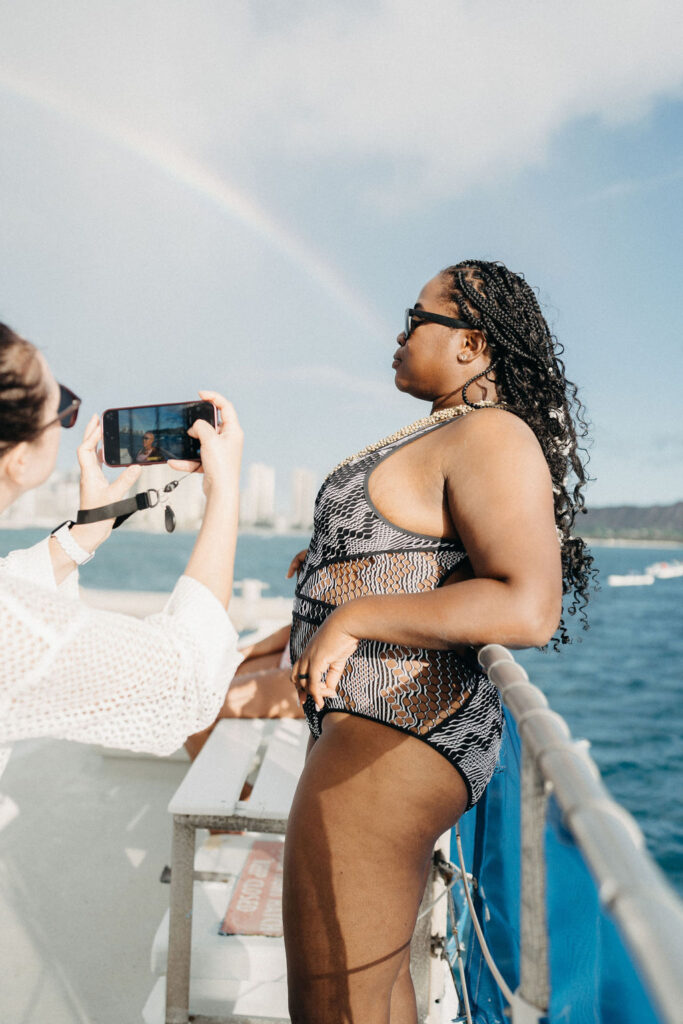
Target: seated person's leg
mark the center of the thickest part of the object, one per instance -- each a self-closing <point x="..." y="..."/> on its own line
<point x="260" y="689"/>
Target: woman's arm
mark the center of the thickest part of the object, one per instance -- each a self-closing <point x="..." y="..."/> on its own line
<point x="270" y="644"/>
<point x="212" y="561"/>
<point x="213" y="556"/>
<point x="95" y="491"/>
<point x="47" y="563"/>
<point x="499" y="496"/>
<point x="72" y="672"/>
<point x="36" y="565"/>
<point x="69" y="671"/>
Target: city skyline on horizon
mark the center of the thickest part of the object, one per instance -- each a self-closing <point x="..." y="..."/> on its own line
<point x="261" y="505"/>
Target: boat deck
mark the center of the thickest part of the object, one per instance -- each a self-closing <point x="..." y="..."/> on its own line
<point x="80" y="897"/>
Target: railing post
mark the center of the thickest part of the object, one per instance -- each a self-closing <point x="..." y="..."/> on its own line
<point x="420" y="954"/>
<point x="429" y="940"/>
<point x="530" y="1001"/>
<point x="180" y="923"/>
<point x="534" y="987"/>
<point x="630" y="886"/>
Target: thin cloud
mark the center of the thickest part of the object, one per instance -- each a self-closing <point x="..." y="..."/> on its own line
<point x="192" y="174"/>
<point x="425" y="100"/>
<point x="633" y="186"/>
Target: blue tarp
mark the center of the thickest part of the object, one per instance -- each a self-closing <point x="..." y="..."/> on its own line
<point x="593" y="980"/>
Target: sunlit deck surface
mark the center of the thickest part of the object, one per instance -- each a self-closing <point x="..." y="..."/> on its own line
<point x="80" y="897"/>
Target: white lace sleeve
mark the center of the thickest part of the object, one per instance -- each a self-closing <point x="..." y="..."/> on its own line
<point x="35" y="564"/>
<point x="142" y="684"/>
<point x="32" y="564"/>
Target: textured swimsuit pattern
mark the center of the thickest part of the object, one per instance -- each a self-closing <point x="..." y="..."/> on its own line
<point x="436" y="696"/>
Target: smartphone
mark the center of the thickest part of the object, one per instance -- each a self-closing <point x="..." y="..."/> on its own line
<point x="149" y="435"/>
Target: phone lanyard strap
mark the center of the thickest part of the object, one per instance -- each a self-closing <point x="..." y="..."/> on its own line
<point x="122" y="510"/>
<point x="119" y="510"/>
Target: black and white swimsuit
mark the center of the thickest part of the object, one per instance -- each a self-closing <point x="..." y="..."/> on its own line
<point x="436" y="696"/>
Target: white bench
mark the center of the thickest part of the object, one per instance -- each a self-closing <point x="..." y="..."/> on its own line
<point x="242" y="978"/>
<point x="218" y="863"/>
<point x="235" y="977"/>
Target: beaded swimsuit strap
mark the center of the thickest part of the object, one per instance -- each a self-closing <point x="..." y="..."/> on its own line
<point x="427" y="421"/>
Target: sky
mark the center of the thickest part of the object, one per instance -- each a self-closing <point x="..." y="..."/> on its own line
<point x="245" y="196"/>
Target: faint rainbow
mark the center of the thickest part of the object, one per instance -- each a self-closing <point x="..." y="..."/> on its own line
<point x="194" y="175"/>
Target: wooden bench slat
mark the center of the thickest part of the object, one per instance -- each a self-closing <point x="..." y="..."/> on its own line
<point x="214" y="781"/>
<point x="279" y="773"/>
<point x="210" y="794"/>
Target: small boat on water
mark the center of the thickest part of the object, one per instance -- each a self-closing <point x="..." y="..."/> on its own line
<point x="665" y="570"/>
<point x="631" y="579"/>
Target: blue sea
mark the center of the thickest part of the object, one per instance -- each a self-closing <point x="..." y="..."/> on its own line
<point x="619" y="686"/>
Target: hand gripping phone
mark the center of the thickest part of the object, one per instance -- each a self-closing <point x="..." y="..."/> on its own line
<point x="149" y="435"/>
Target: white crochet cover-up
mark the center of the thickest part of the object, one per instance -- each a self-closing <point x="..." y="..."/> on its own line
<point x="69" y="671"/>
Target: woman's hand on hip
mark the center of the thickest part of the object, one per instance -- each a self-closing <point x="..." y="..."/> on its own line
<point x="326" y="655"/>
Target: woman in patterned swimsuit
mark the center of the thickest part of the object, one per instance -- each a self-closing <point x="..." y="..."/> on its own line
<point x="452" y="534"/>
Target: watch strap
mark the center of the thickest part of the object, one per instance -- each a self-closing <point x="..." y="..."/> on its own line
<point x="77" y="554"/>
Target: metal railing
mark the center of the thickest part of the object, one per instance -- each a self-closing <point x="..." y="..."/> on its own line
<point x="632" y="889"/>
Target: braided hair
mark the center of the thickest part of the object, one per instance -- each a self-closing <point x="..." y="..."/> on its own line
<point x="22" y="394"/>
<point x="530" y="379"/>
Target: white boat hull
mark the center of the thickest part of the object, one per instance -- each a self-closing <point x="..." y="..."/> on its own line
<point x="632" y="580"/>
<point x="665" y="570"/>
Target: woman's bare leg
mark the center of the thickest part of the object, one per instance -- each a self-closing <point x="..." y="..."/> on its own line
<point x="403" y="1009"/>
<point x="369" y="807"/>
<point x="259" y="690"/>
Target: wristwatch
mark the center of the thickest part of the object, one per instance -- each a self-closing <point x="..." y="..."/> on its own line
<point x="75" y="552"/>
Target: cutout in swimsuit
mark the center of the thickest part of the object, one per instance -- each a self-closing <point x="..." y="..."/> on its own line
<point x="436" y="696"/>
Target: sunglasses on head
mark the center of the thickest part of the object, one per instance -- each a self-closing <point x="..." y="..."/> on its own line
<point x="67" y="411"/>
<point x="415" y="316"/>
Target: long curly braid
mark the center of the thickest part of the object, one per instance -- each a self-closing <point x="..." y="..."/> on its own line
<point x="530" y="379"/>
<point x="22" y="393"/>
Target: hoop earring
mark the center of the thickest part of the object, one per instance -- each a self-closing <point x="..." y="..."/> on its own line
<point x="473" y="405"/>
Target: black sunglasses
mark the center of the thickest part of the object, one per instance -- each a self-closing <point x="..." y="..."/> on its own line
<point x="67" y="412"/>
<point x="413" y="315"/>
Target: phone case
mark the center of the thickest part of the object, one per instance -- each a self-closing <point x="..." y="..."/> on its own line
<point x="160" y="454"/>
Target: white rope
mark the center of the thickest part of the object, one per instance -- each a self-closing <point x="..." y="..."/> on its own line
<point x="463" y="876"/>
<point x="498" y="977"/>
<point x="461" y="966"/>
<point x="444" y="892"/>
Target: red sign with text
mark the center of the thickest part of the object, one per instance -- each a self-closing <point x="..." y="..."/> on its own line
<point x="255" y="907"/>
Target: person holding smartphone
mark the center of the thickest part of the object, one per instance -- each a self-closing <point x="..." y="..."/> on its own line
<point x="73" y="672"/>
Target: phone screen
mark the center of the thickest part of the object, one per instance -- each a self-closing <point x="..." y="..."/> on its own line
<point x="149" y="435"/>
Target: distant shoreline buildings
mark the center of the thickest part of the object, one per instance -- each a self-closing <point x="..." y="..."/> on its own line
<point x="58" y="499"/>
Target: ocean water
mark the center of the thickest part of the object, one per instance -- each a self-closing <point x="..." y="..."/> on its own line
<point x="619" y="687"/>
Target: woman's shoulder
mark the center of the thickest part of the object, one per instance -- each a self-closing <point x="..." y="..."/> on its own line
<point x="490" y="423"/>
<point x="488" y="434"/>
